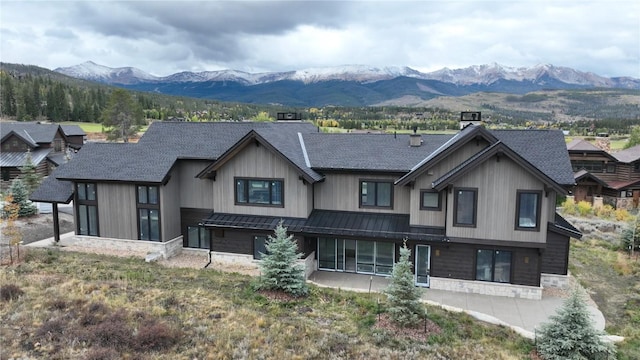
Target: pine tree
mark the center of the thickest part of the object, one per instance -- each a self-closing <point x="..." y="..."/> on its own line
<point x="20" y="197"/>
<point x="570" y="334"/>
<point x="279" y="267"/>
<point x="405" y="308"/>
<point x="123" y="117"/>
<point x="30" y="176"/>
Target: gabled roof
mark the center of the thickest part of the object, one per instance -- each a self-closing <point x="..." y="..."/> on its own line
<point x="499" y="149"/>
<point x="584" y="174"/>
<point x="625" y="185"/>
<point x="454" y="143"/>
<point x="293" y="153"/>
<point x="22" y="135"/>
<point x="628" y="155"/>
<point x="582" y="145"/>
<point x="37" y="133"/>
<point x="19" y="159"/>
<point x="72" y="130"/>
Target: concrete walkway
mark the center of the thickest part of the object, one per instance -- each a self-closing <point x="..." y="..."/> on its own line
<point x="522" y="315"/>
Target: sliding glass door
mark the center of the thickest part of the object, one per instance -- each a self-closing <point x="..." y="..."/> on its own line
<point x="423" y="256"/>
<point x="359" y="256"/>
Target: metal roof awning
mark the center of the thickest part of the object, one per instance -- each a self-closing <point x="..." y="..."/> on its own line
<point x="332" y="223"/>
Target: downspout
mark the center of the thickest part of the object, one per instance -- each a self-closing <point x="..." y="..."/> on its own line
<point x="209" y="263"/>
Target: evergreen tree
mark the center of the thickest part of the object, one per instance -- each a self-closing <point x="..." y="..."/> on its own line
<point x="123" y="117"/>
<point x="8" y="104"/>
<point x="30" y="176"/>
<point x="405" y="308"/>
<point x="279" y="268"/>
<point x="570" y="335"/>
<point x="21" y="198"/>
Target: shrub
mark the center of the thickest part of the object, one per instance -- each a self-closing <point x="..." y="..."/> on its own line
<point x="101" y="353"/>
<point x="405" y="308"/>
<point x="154" y="335"/>
<point x="584" y="208"/>
<point x="279" y="267"/>
<point x="52" y="330"/>
<point x="113" y="332"/>
<point x="623" y="215"/>
<point x="569" y="207"/>
<point x="10" y="292"/>
<point x="605" y="211"/>
<point x="570" y="334"/>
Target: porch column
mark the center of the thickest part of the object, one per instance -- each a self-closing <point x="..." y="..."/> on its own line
<point x="56" y="224"/>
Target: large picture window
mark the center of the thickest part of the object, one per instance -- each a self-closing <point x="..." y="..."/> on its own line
<point x="465" y="207"/>
<point x="493" y="265"/>
<point x="376" y="194"/>
<point x="528" y="210"/>
<point x="148" y="212"/>
<point x="87" y="206"/>
<point x="259" y="192"/>
<point x="429" y="200"/>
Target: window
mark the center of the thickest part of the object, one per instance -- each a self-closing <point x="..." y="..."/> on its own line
<point x="636" y="167"/>
<point x="198" y="237"/>
<point x="6" y="174"/>
<point x="591" y="166"/>
<point x="259" y="246"/>
<point x="465" y="203"/>
<point x="493" y="265"/>
<point x="87" y="209"/>
<point x="148" y="213"/>
<point x="259" y="192"/>
<point x="528" y="210"/>
<point x="429" y="200"/>
<point x="611" y="168"/>
<point x="376" y="194"/>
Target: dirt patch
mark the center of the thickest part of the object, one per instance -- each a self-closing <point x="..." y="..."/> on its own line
<point x="39" y="227"/>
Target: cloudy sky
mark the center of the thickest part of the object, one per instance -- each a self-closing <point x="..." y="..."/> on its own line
<point x="164" y="37"/>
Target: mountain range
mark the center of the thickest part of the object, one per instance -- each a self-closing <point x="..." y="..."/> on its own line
<point x="350" y="85"/>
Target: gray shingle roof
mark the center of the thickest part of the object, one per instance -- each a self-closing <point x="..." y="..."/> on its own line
<point x="165" y="142"/>
<point x="40" y="133"/>
<point x="377" y="152"/>
<point x="72" y="130"/>
<point x="544" y="149"/>
<point x="53" y="190"/>
<point x="628" y="155"/>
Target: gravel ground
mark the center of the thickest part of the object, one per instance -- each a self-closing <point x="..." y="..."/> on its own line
<point x="40" y="227"/>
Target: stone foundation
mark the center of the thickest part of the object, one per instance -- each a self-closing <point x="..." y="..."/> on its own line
<point x="167" y="249"/>
<point x="248" y="261"/>
<point x="554" y="281"/>
<point x="487" y="288"/>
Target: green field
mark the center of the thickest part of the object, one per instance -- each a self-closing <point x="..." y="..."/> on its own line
<point x="86" y="127"/>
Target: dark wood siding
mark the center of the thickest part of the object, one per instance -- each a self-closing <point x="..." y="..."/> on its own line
<point x="191" y="217"/>
<point x="555" y="256"/>
<point x="457" y="261"/>
<point x="525" y="265"/>
<point x="237" y="242"/>
<point x="453" y="261"/>
<point x="14" y="144"/>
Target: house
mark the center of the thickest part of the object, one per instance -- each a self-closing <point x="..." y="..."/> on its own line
<point x="46" y="144"/>
<point x="602" y="176"/>
<point x="477" y="208"/>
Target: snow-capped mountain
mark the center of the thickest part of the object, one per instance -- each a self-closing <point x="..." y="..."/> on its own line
<point x="356" y="84"/>
<point x="473" y="75"/>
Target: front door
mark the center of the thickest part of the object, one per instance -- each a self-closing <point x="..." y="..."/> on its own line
<point x="423" y="256"/>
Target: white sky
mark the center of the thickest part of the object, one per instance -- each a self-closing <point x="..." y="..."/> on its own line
<point x="165" y="37"/>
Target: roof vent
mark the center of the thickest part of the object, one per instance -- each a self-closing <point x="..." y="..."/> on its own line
<point x="470" y="117"/>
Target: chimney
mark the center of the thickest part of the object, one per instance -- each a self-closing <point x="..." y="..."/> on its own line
<point x="470" y="117"/>
<point x="415" y="139"/>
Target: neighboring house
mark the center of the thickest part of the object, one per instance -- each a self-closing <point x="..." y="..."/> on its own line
<point x="46" y="143"/>
<point x="613" y="177"/>
<point x="477" y="208"/>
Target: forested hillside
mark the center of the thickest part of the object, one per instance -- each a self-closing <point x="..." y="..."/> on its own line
<point x="32" y="93"/>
